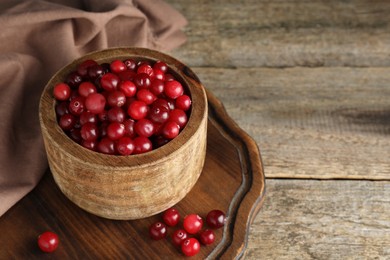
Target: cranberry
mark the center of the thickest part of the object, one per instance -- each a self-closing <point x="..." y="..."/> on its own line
<point x="127" y="75"/>
<point x="171" y="217"/>
<point x="179" y="117"/>
<point x="117" y="66"/>
<point x="157" y="86"/>
<point x="62" y="108"/>
<point x="207" y="237"/>
<point x="192" y="223"/>
<point x="130" y="64"/>
<point x="109" y="81"/>
<point x="159" y="114"/>
<point x="183" y="102"/>
<point x="128" y="88"/>
<point x="125" y="145"/>
<point x="48" y="242"/>
<point x="169" y="77"/>
<point x="137" y="110"/>
<point x="76" y="105"/>
<point x="73" y="79"/>
<point x="67" y="121"/>
<point x="142" y="145"/>
<point x="161" y="102"/>
<point x="158" y="74"/>
<point x="190" y="246"/>
<point x="179" y="236"/>
<point x="146" y="96"/>
<point x="95" y="72"/>
<point x="145" y="68"/>
<point x="142" y="80"/>
<point x="116" y="114"/>
<point x="160" y="65"/>
<point x="170" y="130"/>
<point x="129" y="127"/>
<point x="82" y="69"/>
<point x="215" y="219"/>
<point x="106" y="145"/>
<point x="115" y="130"/>
<point x="87" y="116"/>
<point x="75" y="135"/>
<point x="89" y="131"/>
<point x="116" y="98"/>
<point x="144" y="127"/>
<point x="173" y="89"/>
<point x="158" y="231"/>
<point x="91" y="145"/>
<point x="86" y="88"/>
<point x="95" y="103"/>
<point x="61" y="91"/>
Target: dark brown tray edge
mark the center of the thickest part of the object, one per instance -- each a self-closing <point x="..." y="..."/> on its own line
<point x="254" y="192"/>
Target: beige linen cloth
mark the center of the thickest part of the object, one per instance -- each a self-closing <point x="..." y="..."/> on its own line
<point x="39" y="37"/>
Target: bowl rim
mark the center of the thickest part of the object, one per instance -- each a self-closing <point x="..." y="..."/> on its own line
<point x="183" y="73"/>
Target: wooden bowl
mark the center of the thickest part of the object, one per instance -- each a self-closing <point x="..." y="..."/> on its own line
<point x="134" y="186"/>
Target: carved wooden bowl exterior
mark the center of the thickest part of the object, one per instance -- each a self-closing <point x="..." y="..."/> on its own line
<point x="135" y="186"/>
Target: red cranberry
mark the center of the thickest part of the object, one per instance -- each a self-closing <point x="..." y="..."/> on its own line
<point x="128" y="88"/>
<point x="62" y="108"/>
<point x="179" y="117"/>
<point x="158" y="231"/>
<point x="192" y="223"/>
<point x="106" y="145"/>
<point x="73" y="79"/>
<point x="125" y="145"/>
<point x="91" y="145"/>
<point x="109" y="81"/>
<point x="144" y="127"/>
<point x="89" y="131"/>
<point x="146" y="96"/>
<point x="130" y="64"/>
<point x="207" y="237"/>
<point x="142" y="80"/>
<point x="48" y="242"/>
<point x="215" y="219"/>
<point x="160" y="65"/>
<point x="129" y="127"/>
<point x="183" y="102"/>
<point x="117" y="66"/>
<point x="95" y="72"/>
<point x="87" y="116"/>
<point x="158" y="74"/>
<point x="82" y="69"/>
<point x="137" y="110"/>
<point x="61" y="91"/>
<point x="159" y="114"/>
<point x="115" y="130"/>
<point x="95" y="103"/>
<point x="86" y="88"/>
<point x="67" y="121"/>
<point x="170" y="130"/>
<point x="171" y="217"/>
<point x="76" y="105"/>
<point x="145" y="68"/>
<point x="116" y="114"/>
<point x="142" y="145"/>
<point x="190" y="246"/>
<point x="116" y="98"/>
<point x="173" y="89"/>
<point x="179" y="236"/>
<point x="157" y="86"/>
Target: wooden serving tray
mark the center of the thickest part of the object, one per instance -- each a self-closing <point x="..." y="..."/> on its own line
<point x="232" y="180"/>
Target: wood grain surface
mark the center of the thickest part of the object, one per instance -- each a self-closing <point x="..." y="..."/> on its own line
<point x="309" y="81"/>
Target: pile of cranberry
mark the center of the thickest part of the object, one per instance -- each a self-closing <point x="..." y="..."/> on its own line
<point x="187" y="238"/>
<point x="123" y="107"/>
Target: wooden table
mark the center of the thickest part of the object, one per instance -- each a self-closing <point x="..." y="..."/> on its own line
<point x="310" y="82"/>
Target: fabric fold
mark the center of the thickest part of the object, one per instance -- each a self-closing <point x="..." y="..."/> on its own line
<point x="38" y="38"/>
